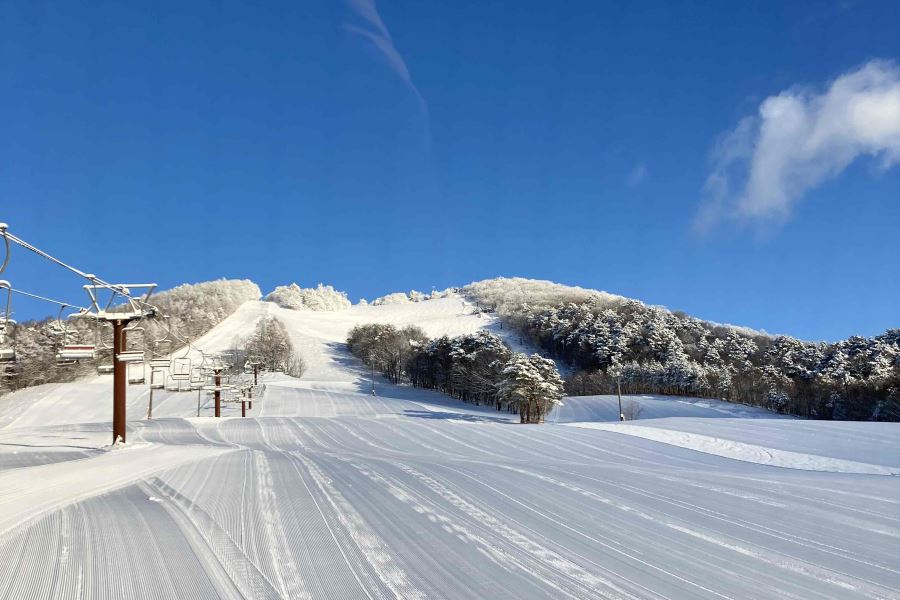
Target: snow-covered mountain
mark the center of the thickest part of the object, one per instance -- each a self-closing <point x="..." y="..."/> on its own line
<point x="326" y="491"/>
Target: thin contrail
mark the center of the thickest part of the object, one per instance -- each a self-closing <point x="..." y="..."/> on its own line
<point x="374" y="30"/>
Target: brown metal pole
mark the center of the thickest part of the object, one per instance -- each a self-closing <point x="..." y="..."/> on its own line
<point x="120" y="382"/>
<point x="243" y="408"/>
<point x="255" y="374"/>
<point x="619" y="393"/>
<point x="217" y="393"/>
<point x="250" y="392"/>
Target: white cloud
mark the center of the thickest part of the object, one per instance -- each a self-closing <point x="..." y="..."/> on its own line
<point x="798" y="140"/>
<point x="638" y="174"/>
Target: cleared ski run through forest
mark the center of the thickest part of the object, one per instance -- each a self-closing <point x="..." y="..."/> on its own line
<point x="329" y="492"/>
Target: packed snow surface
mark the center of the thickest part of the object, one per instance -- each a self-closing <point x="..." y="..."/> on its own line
<point x="330" y="492"/>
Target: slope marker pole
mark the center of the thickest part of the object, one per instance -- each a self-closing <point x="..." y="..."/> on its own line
<point x="619" y="393"/>
<point x="217" y="393"/>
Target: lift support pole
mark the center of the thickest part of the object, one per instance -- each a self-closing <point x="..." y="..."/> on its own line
<point x="217" y="393"/>
<point x="120" y="382"/>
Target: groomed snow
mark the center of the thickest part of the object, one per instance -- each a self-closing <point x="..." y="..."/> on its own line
<point x="743" y="451"/>
<point x="329" y="492"/>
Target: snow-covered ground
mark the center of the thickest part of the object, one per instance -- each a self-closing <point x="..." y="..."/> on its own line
<point x="329" y="492"/>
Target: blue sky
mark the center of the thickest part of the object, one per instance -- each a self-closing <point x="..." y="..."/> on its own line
<point x="417" y="144"/>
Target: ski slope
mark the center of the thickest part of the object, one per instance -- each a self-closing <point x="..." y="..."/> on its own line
<point x="329" y="492"/>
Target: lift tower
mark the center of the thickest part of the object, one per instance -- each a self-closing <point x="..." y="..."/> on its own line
<point x="121" y="309"/>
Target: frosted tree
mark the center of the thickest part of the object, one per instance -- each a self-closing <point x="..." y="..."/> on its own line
<point x="889" y="408"/>
<point x="395" y="298"/>
<point x="533" y="384"/>
<point x="271" y="345"/>
<point x="319" y="298"/>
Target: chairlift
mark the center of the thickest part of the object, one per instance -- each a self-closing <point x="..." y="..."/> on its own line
<point x="181" y="368"/>
<point x="137" y="372"/>
<point x="171" y="384"/>
<point x="159" y="364"/>
<point x="71" y="353"/>
<point x="101" y="345"/>
<point x="130" y="356"/>
<point x="105" y="369"/>
<point x="157" y="378"/>
<point x="198" y="379"/>
<point x="164" y="339"/>
<point x="7" y="348"/>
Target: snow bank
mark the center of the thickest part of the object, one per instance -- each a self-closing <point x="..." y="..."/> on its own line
<point x="743" y="451"/>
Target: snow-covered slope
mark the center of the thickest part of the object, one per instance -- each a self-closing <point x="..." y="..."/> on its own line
<point x="329" y="492"/>
<point x="319" y="337"/>
<point x="606" y="408"/>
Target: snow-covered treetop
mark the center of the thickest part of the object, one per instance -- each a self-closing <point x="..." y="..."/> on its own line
<point x="395" y="298"/>
<point x="412" y="296"/>
<point x="506" y="294"/>
<point x="235" y="291"/>
<point x="320" y="298"/>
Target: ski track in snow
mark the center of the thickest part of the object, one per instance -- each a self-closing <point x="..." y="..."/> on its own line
<point x="330" y="492"/>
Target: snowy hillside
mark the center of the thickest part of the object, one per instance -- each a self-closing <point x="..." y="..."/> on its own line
<point x="326" y="491"/>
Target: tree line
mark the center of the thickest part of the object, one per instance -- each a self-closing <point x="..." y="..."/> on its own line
<point x="649" y="349"/>
<point x="477" y="368"/>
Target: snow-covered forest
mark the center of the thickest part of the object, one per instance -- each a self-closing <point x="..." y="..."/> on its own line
<point x="321" y="297"/>
<point x="650" y="349"/>
<point x="185" y="313"/>
<point x="605" y="339"/>
<point x="477" y="368"/>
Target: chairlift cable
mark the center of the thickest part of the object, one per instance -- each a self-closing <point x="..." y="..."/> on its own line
<point x="51" y="300"/>
<point x="6" y="243"/>
<point x="92" y="278"/>
<point x="119" y="289"/>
